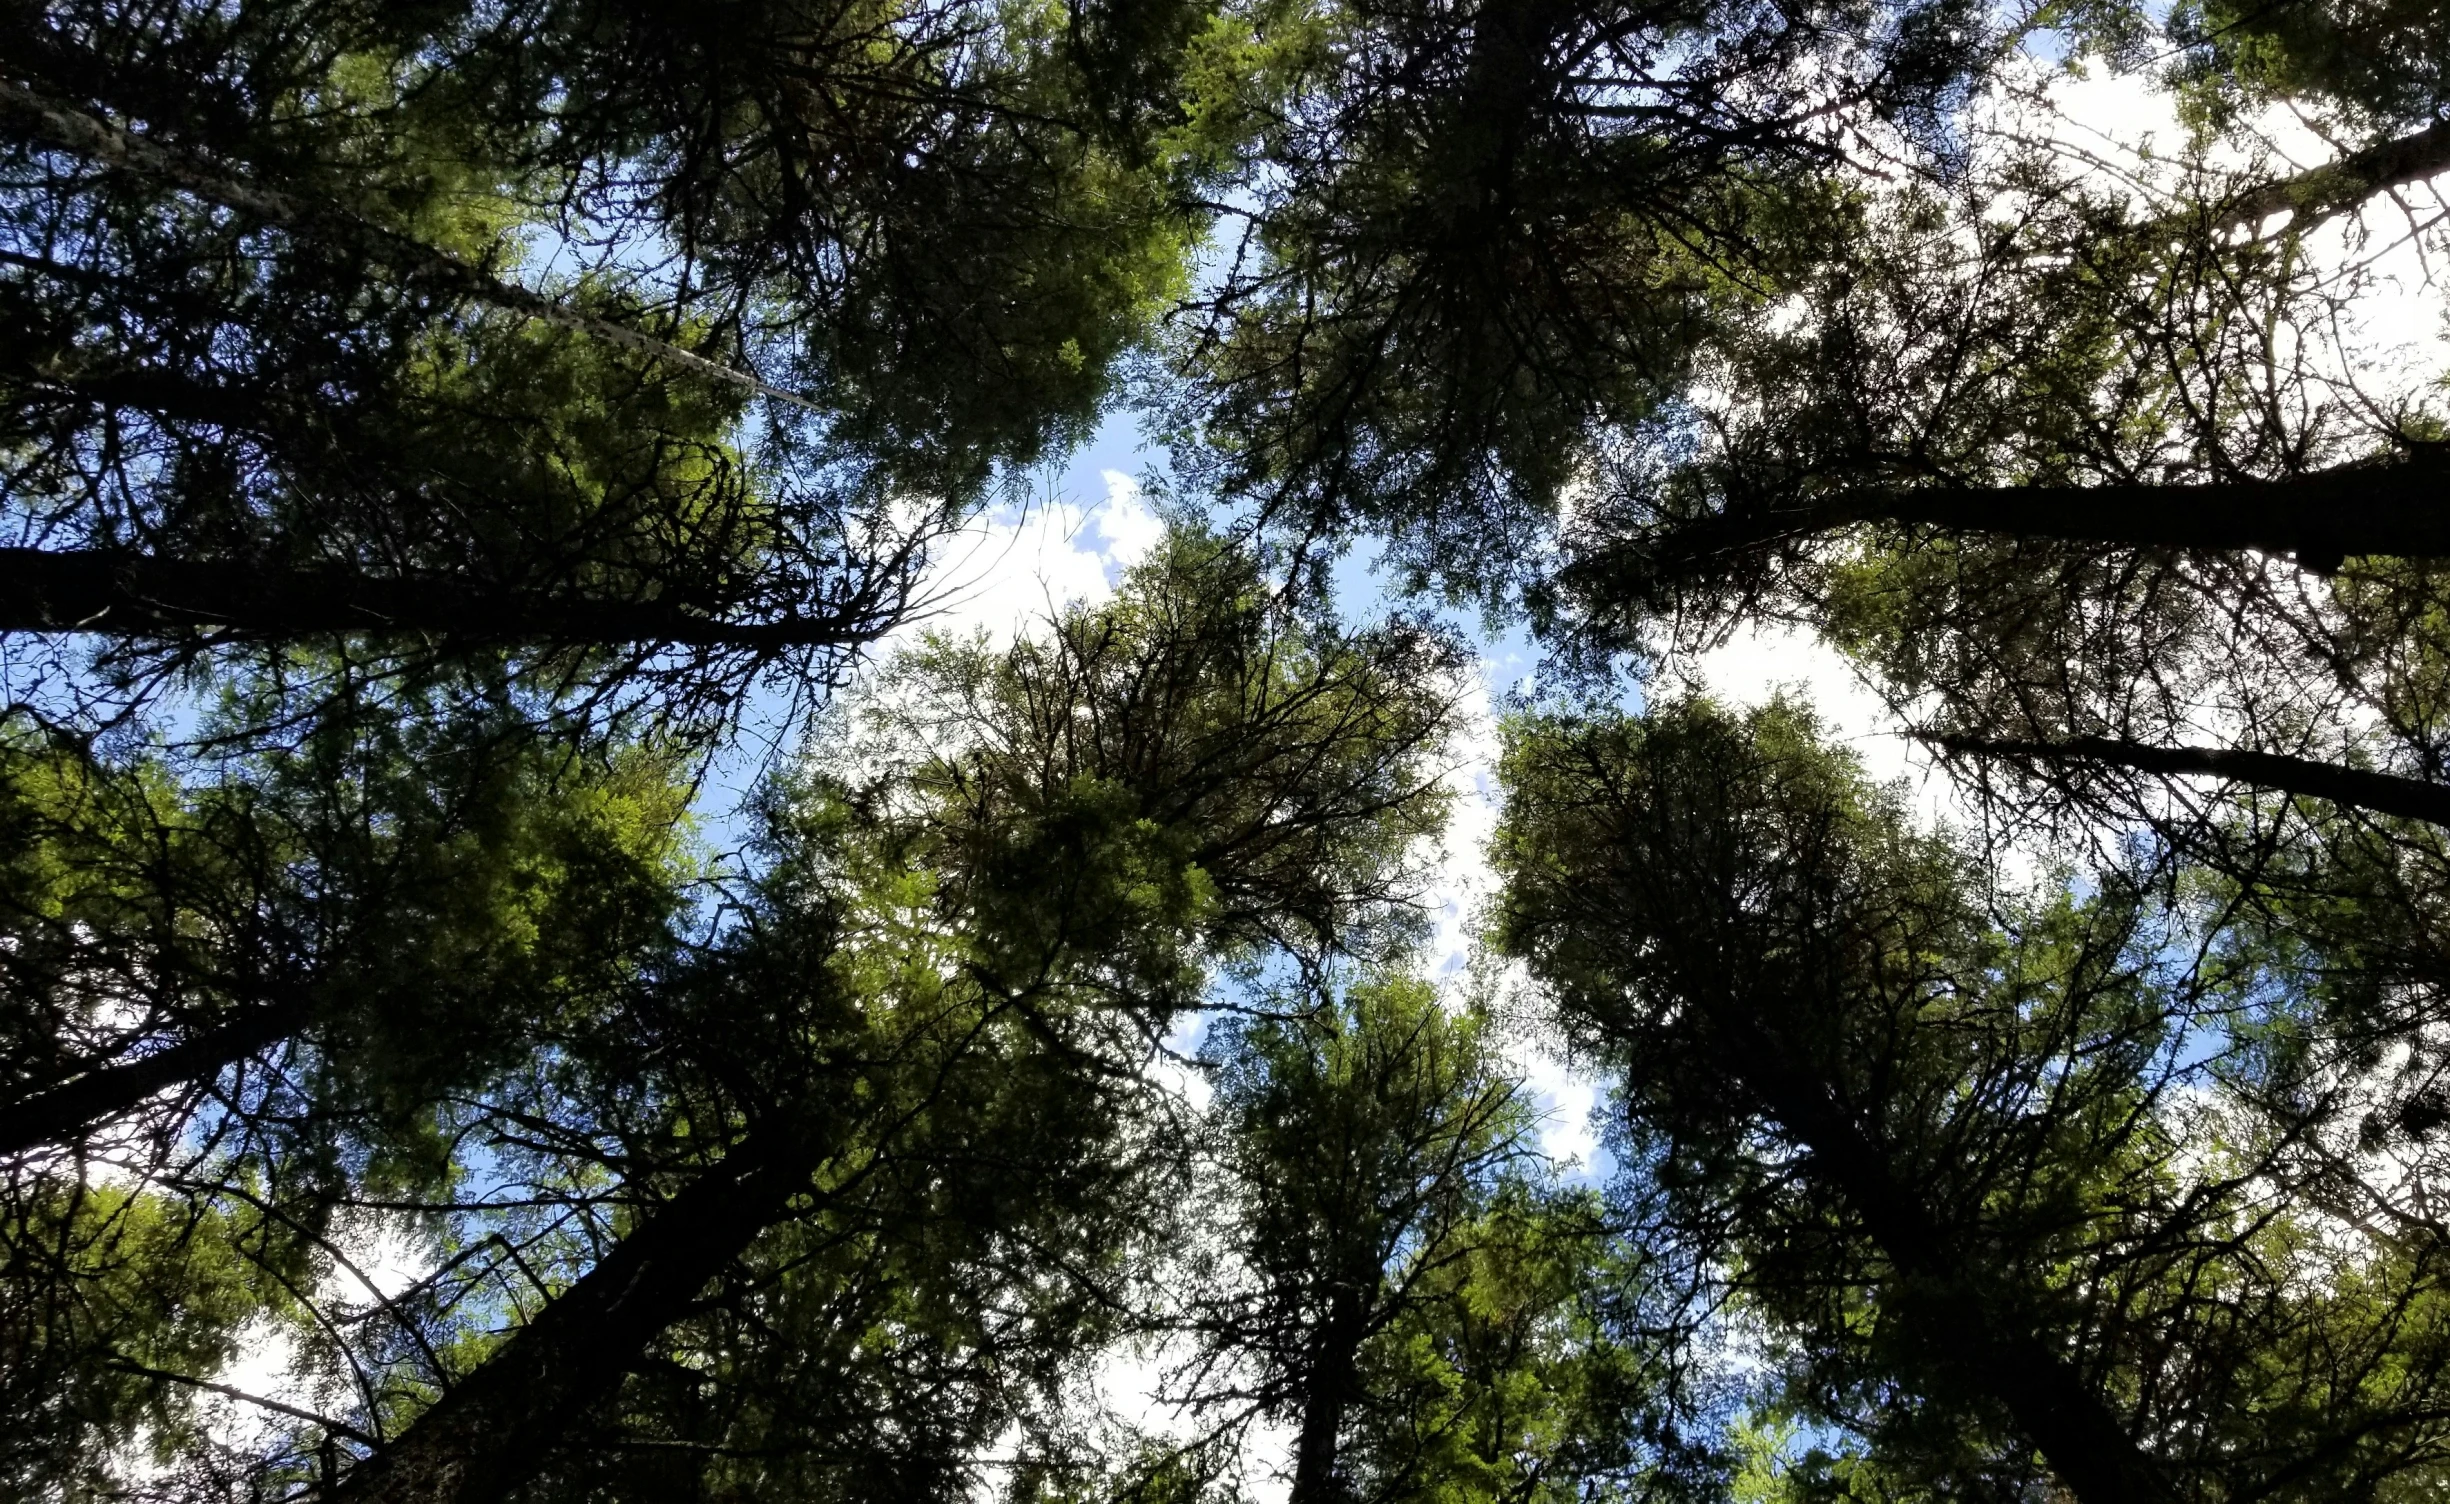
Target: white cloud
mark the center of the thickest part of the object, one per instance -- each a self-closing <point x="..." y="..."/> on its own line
<point x="1759" y="663"/>
<point x="1009" y="570"/>
<point x="1012" y="569"/>
<point x="1127" y="523"/>
<point x="1568" y="1101"/>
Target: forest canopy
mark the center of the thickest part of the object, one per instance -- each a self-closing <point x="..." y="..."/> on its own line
<point x="1752" y="808"/>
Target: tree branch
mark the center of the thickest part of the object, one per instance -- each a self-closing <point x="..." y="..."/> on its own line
<point x="135" y="595"/>
<point x="2399" y="510"/>
<point x="73" y="130"/>
<point x="2320" y="192"/>
<point x="2383" y="793"/>
<point x="337" y="1428"/>
<point x="62" y="1113"/>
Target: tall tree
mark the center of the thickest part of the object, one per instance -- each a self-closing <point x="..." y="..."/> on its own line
<point x="1478" y="233"/>
<point x="621" y="334"/>
<point x="417" y="900"/>
<point x="831" y="1192"/>
<point x="1994" y="1159"/>
<point x="1361" y="1136"/>
<point x="1399" y="1280"/>
<point x="1678" y="361"/>
<point x="238" y="999"/>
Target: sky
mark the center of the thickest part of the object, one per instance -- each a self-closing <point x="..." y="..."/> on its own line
<point x="1017" y="565"/>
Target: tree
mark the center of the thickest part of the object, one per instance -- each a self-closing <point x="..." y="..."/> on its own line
<point x="1994" y="1160"/>
<point x="1445" y="366"/>
<point x="1399" y="1279"/>
<point x="831" y="1191"/>
<point x="1477" y="234"/>
<point x="151" y="1291"/>
<point x="237" y="1000"/>
<point x="2362" y="69"/>
<point x="416" y="900"/>
<point x="1545" y="1362"/>
<point x="1647" y="395"/>
<point x="1361" y="1138"/>
<point x="619" y="336"/>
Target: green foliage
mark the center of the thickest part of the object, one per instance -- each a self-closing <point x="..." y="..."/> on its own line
<point x="1507" y="1375"/>
<point x="141" y="1290"/>
<point x="1403" y="1285"/>
<point x="414" y="888"/>
<point x="930" y="998"/>
<point x="1265" y="777"/>
<point x="376" y="920"/>
<point x="1362" y="1135"/>
<point x="1896" y="1105"/>
<point x="2376" y="68"/>
<point x="675" y="331"/>
<point x="1487" y="240"/>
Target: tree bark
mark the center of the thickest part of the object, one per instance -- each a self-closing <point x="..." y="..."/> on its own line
<point x="2383" y="793"/>
<point x="1334" y="1365"/>
<point x="32" y="357"/>
<point x="2044" y="1393"/>
<point x="2400" y="510"/>
<point x="2320" y="192"/>
<point x="497" y="1428"/>
<point x="134" y="595"/>
<point x="62" y="1113"/>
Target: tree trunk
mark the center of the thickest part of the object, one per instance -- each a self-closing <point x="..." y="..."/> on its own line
<point x="497" y="1428"/>
<point x="2320" y="192"/>
<point x="62" y="1113"/>
<point x="2400" y="510"/>
<point x="2047" y="1397"/>
<point x="1334" y="1365"/>
<point x="135" y="595"/>
<point x="2383" y="793"/>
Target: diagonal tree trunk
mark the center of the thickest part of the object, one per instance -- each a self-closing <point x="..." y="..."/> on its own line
<point x="2043" y="1392"/>
<point x="2320" y="192"/>
<point x="2383" y="793"/>
<point x="496" y="1428"/>
<point x="70" y="129"/>
<point x="2395" y="510"/>
<point x="134" y="595"/>
<point x="60" y="1114"/>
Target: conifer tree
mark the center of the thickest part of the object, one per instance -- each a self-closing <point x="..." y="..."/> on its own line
<point x="2015" y="1179"/>
<point x="238" y="999"/>
<point x="827" y="1193"/>
<point x="649" y="343"/>
<point x="1401" y="1281"/>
